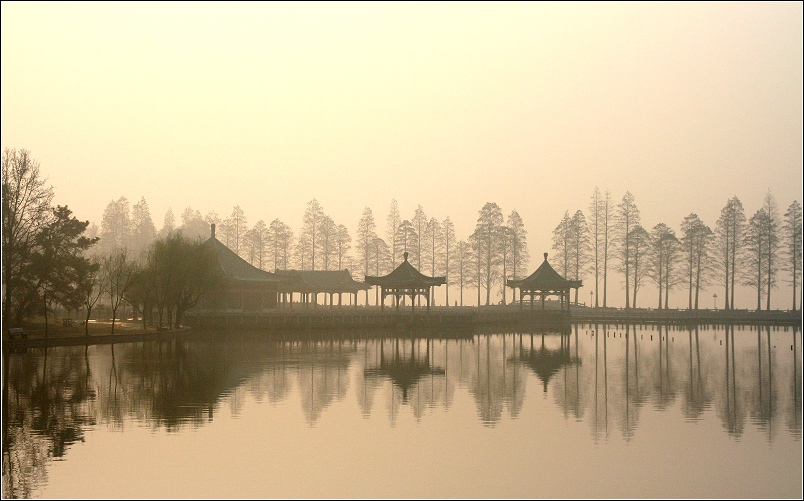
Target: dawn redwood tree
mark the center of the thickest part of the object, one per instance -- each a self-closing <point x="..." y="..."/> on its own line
<point x="327" y="231"/>
<point x="600" y="211"/>
<point x="504" y="250"/>
<point x="447" y="243"/>
<point x="238" y="228"/>
<point x="280" y="242"/>
<point x="661" y="238"/>
<point x="755" y="258"/>
<point x="463" y="265"/>
<point x="310" y="231"/>
<point x="579" y="242"/>
<point x="562" y="244"/>
<point x="419" y="223"/>
<point x="393" y="222"/>
<point x="791" y="239"/>
<point x="639" y="243"/>
<point x="730" y="234"/>
<point x="696" y="246"/>
<point x="519" y="248"/>
<point x="626" y="219"/>
<point x="485" y="238"/>
<point x="343" y="242"/>
<point x="407" y="239"/>
<point x="365" y="239"/>
<point x="772" y="241"/>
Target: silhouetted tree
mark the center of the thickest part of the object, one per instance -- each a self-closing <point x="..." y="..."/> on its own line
<point x="662" y="237"/>
<point x="432" y="248"/>
<point x="118" y="273"/>
<point x="791" y="238"/>
<point x="639" y="244"/>
<point x="519" y="248"/>
<point x="57" y="261"/>
<point x="504" y="250"/>
<point x="772" y="241"/>
<point x="327" y="231"/>
<point x="447" y="243"/>
<point x="381" y="259"/>
<point x="600" y="210"/>
<point x="26" y="210"/>
<point x="486" y="236"/>
<point x="696" y="246"/>
<point x="562" y="244"/>
<point x="90" y="286"/>
<point x="419" y="223"/>
<point x="464" y="265"/>
<point x="730" y="229"/>
<point x="579" y="242"/>
<point x="365" y="239"/>
<point x="407" y="239"/>
<point x="393" y="221"/>
<point x="280" y="242"/>
<point x="238" y="228"/>
<point x="343" y="242"/>
<point x="256" y="241"/>
<point x="756" y="254"/>
<point x="311" y="226"/>
<point x="626" y="219"/>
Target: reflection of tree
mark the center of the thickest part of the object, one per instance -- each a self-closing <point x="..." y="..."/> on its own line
<point x="793" y="411"/>
<point x="44" y="412"/>
<point x="697" y="396"/>
<point x="323" y="372"/>
<point x="497" y="382"/>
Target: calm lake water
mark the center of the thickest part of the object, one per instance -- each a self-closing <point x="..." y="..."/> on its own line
<point x="617" y="411"/>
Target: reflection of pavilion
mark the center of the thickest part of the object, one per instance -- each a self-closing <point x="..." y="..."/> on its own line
<point x="404" y="371"/>
<point x="545" y="362"/>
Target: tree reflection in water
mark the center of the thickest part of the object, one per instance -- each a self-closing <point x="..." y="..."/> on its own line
<point x="600" y="373"/>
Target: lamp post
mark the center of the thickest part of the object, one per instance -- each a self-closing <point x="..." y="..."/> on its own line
<point x="591" y="296"/>
<point x="714" y="298"/>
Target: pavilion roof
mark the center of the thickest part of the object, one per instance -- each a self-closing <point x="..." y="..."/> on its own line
<point x="405" y="276"/>
<point x="320" y="281"/>
<point x="235" y="267"/>
<point x="545" y="278"/>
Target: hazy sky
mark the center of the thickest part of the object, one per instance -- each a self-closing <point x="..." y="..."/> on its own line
<point x="450" y="106"/>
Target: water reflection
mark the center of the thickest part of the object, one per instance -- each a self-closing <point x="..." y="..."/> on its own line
<point x="599" y="374"/>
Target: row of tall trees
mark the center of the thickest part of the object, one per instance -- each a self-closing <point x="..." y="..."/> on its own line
<point x="739" y="251"/>
<point x="735" y="251"/>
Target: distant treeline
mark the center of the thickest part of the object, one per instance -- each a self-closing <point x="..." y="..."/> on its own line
<point x="756" y="252"/>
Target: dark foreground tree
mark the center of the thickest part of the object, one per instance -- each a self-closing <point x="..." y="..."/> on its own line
<point x="26" y="209"/>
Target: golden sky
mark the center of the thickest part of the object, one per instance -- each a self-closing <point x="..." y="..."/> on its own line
<point x="447" y="105"/>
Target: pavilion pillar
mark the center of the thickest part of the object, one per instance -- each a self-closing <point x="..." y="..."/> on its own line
<point x="382" y="298"/>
